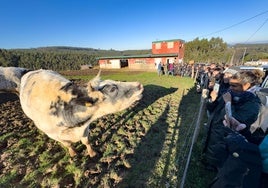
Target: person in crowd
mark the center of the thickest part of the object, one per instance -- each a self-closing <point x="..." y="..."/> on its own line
<point x="260" y="74"/>
<point x="242" y="164"/>
<point x="159" y="68"/>
<point x="221" y="85"/>
<point x="218" y="85"/>
<point x="212" y="66"/>
<point x="227" y="74"/>
<point x="202" y="79"/>
<point x="246" y="151"/>
<point x="167" y="68"/>
<point x="163" y="69"/>
<point x="245" y="108"/>
<point x="214" y="82"/>
<point x="215" y="79"/>
<point x="171" y="69"/>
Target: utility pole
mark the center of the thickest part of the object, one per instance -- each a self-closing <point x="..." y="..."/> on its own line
<point x="232" y="59"/>
<point x="243" y="56"/>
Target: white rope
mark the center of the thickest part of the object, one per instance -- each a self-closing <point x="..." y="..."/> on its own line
<point x="194" y="138"/>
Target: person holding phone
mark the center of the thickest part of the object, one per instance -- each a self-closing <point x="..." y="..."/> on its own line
<point x="245" y="107"/>
<point x="220" y="84"/>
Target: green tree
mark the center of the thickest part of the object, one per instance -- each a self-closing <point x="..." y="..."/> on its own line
<point x="209" y="51"/>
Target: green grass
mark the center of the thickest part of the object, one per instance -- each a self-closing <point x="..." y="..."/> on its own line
<point x="145" y="146"/>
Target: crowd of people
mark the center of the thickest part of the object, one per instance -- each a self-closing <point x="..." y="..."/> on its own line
<point x="236" y="143"/>
<point x="174" y="69"/>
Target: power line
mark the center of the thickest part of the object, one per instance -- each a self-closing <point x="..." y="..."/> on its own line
<point x="257" y="30"/>
<point x="234" y="24"/>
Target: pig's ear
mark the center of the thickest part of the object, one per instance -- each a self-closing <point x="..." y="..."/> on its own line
<point x="94" y="83"/>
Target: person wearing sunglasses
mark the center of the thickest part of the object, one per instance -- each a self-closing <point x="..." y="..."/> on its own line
<point x="245" y="107"/>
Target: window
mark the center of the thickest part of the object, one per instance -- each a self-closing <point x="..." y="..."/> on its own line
<point x="170" y="44"/>
<point x="158" y="45"/>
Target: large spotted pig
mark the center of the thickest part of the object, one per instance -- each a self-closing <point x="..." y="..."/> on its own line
<point x="63" y="110"/>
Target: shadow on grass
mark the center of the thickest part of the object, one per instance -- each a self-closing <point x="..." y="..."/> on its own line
<point x="151" y="94"/>
<point x="148" y="152"/>
<point x="187" y="114"/>
<point x="188" y="111"/>
<point x="5" y="97"/>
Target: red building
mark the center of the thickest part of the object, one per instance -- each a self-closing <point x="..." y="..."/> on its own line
<point x="165" y="51"/>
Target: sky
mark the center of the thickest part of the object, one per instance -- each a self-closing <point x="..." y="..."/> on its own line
<point x="129" y="24"/>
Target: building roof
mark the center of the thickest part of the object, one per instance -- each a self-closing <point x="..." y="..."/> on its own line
<point x="171" y="40"/>
<point x="140" y="56"/>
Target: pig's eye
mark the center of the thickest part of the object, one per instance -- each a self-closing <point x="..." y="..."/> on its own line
<point x="111" y="90"/>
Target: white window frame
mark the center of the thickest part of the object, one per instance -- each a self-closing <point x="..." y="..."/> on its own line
<point x="158" y="45"/>
<point x="170" y="45"/>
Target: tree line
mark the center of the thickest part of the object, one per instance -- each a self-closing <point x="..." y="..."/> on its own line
<point x="217" y="51"/>
<point x="36" y="59"/>
<point x="58" y="58"/>
<point x="71" y="58"/>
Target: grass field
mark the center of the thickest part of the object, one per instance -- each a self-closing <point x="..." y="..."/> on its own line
<point x="145" y="146"/>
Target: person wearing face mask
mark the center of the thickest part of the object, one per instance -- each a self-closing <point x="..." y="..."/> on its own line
<point x="245" y="107"/>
